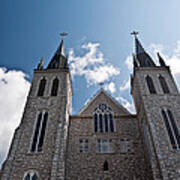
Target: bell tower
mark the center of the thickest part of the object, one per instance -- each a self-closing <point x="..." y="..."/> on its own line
<point x="157" y="102"/>
<point x="39" y="144"/>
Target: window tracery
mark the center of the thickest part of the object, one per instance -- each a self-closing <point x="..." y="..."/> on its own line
<point x="103" y="119"/>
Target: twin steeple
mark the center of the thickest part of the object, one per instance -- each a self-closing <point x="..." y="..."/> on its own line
<point x="141" y="58"/>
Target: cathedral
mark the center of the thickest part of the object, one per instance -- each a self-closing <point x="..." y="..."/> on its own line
<point x="104" y="141"/>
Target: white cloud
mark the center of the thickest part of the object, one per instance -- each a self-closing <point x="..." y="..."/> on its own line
<point x="13" y="92"/>
<point x="91" y="65"/>
<point x="126" y="104"/>
<point x="111" y="87"/>
<point x="129" y="62"/>
<point x="171" y="59"/>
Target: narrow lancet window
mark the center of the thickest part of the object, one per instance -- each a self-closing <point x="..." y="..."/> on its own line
<point x="39" y="133"/>
<point x="36" y="134"/>
<point x="164" y="85"/>
<point x="100" y="122"/>
<point x="41" y="89"/>
<point x="103" y="119"/>
<point x="150" y="84"/>
<point x="174" y="126"/>
<point x="106" y="122"/>
<point x="111" y="122"/>
<point x="171" y="127"/>
<point x="41" y="139"/>
<point x="34" y="177"/>
<point x="95" y="122"/>
<point x="27" y="177"/>
<point x="54" y="90"/>
<point x="105" y="166"/>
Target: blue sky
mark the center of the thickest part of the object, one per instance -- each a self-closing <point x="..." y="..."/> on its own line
<point x="29" y="30"/>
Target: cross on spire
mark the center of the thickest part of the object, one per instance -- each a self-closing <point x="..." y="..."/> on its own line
<point x="63" y="34"/>
<point x="101" y="84"/>
<point x="135" y="33"/>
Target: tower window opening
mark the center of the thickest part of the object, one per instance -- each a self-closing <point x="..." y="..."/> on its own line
<point x="41" y="89"/>
<point x="105" y="166"/>
<point x="55" y="85"/>
<point x="150" y="84"/>
<point x="38" y="138"/>
<point x="171" y="127"/>
<point x="41" y="139"/>
<point x="103" y="119"/>
<point x="164" y="85"/>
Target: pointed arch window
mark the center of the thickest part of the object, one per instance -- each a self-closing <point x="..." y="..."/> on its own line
<point x="41" y="89"/>
<point x="150" y="84"/>
<point x="31" y="175"/>
<point x="172" y="129"/>
<point x="164" y="85"/>
<point x="103" y="119"/>
<point x="39" y="133"/>
<point x="105" y="166"/>
<point x="55" y="86"/>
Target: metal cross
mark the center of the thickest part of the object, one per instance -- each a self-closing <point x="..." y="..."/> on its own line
<point x="101" y="84"/>
<point x="64" y="34"/>
<point x="135" y="33"/>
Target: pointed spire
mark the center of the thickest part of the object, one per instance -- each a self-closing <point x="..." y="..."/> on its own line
<point x="142" y="57"/>
<point x="61" y="49"/>
<point x="59" y="59"/>
<point x="161" y="60"/>
<point x="135" y="63"/>
<point x="139" y="47"/>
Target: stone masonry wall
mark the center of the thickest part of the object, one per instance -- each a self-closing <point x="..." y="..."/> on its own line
<point x="24" y="160"/>
<point x="89" y="166"/>
<point x="168" y="158"/>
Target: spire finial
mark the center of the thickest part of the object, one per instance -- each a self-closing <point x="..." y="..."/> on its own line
<point x="63" y="34"/>
<point x="61" y="49"/>
<point x="135" y="33"/>
<point x="101" y="84"/>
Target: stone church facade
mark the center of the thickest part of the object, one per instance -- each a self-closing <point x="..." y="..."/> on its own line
<point x="104" y="141"/>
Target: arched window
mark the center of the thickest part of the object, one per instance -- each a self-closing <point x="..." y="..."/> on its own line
<point x="41" y="138"/>
<point x="39" y="133"/>
<point x="41" y="89"/>
<point x="31" y="175"/>
<point x="55" y="86"/>
<point x="150" y="84"/>
<point x="172" y="128"/>
<point x="164" y="85"/>
<point x="105" y="166"/>
<point x="103" y="119"/>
